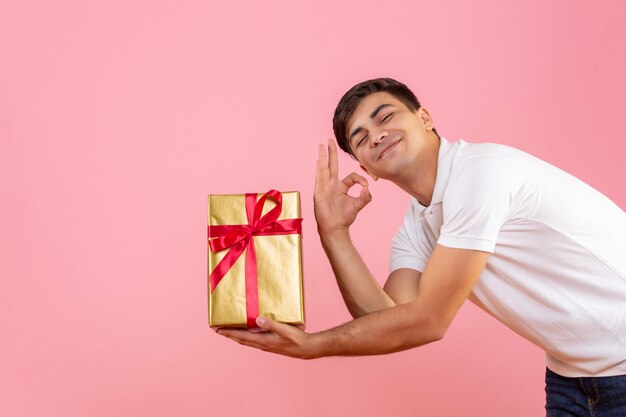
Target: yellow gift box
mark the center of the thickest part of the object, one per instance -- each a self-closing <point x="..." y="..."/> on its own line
<point x="255" y="259"/>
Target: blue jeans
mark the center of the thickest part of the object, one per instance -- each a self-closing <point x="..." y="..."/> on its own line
<point x="590" y="397"/>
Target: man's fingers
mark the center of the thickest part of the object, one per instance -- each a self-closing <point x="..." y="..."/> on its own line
<point x="247" y="342"/>
<point x="245" y="337"/>
<point x="322" y="173"/>
<point x="333" y="165"/>
<point x="364" y="197"/>
<point x="232" y="333"/>
<point x="354" y="178"/>
<point x="280" y="329"/>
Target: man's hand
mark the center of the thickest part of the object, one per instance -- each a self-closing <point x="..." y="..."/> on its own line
<point x="284" y="339"/>
<point x="334" y="209"/>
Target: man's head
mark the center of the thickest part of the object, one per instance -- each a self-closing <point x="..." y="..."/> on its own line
<point x="382" y="125"/>
<point x="351" y="99"/>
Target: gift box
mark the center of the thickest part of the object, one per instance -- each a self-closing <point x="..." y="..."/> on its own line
<point x="255" y="259"/>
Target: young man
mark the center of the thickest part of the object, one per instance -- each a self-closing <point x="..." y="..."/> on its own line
<point x="531" y="245"/>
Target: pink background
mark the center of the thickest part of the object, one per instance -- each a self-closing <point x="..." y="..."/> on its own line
<point x="118" y="118"/>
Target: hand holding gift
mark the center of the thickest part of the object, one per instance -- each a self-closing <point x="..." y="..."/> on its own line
<point x="284" y="339"/>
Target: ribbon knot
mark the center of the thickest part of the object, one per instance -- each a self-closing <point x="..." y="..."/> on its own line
<point x="240" y="237"/>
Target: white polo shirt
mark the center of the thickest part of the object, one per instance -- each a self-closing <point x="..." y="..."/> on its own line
<point x="557" y="270"/>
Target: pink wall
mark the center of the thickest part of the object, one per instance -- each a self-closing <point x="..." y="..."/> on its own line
<point x="118" y="118"/>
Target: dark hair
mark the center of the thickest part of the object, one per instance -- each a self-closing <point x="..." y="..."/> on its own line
<point x="350" y="101"/>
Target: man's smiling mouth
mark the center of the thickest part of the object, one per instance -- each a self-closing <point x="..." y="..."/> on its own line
<point x="388" y="148"/>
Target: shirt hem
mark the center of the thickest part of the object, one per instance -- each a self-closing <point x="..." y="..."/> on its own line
<point x="563" y="369"/>
<point x="411" y="265"/>
<point x="467" y="243"/>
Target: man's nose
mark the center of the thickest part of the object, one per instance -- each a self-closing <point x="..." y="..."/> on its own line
<point x="379" y="136"/>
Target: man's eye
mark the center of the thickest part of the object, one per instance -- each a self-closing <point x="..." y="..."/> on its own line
<point x="362" y="140"/>
<point x="386" y="117"/>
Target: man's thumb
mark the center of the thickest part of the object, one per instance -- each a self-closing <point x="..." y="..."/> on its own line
<point x="364" y="197"/>
<point x="263" y="323"/>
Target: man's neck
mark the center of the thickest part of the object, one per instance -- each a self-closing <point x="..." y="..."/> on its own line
<point x="420" y="183"/>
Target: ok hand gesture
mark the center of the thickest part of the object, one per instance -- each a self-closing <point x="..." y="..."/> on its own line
<point x="334" y="209"/>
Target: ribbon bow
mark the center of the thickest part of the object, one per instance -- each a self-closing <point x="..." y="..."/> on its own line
<point x="240" y="237"/>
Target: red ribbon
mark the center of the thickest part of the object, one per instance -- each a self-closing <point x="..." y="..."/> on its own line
<point x="239" y="237"/>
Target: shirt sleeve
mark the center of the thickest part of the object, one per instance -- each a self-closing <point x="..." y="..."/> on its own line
<point x="483" y="193"/>
<point x="409" y="245"/>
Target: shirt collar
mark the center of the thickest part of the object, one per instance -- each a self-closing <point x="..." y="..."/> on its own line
<point x="445" y="158"/>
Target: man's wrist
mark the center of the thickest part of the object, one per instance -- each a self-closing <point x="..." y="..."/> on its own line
<point x="318" y="343"/>
<point x="334" y="236"/>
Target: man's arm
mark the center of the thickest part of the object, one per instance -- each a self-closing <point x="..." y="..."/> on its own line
<point x="402" y="285"/>
<point x="360" y="290"/>
<point x="335" y="211"/>
<point x="448" y="279"/>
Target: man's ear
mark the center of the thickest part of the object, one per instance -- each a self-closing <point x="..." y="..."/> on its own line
<point x="425" y="118"/>
<point x="374" y="177"/>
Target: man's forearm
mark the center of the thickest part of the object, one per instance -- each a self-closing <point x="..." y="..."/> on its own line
<point x="360" y="290"/>
<point x="389" y="330"/>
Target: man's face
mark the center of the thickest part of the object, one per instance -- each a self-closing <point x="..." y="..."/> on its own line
<point x="385" y="136"/>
